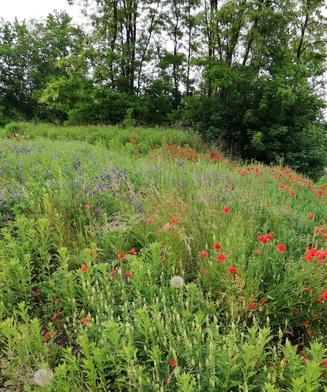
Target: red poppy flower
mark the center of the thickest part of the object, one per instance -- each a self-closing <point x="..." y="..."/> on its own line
<point x="121" y="256"/>
<point x="173" y="220"/>
<point x="324" y="363"/>
<point x="226" y="210"/>
<point x="281" y="248"/>
<point x="217" y="246"/>
<point x="204" y="254"/>
<point x="132" y="251"/>
<point x="232" y="270"/>
<point x="46" y="336"/>
<point x="84" y="320"/>
<point x="310" y="216"/>
<point x="253" y="305"/>
<point x="87" y="206"/>
<point x="263" y="239"/>
<point x="221" y="257"/>
<point x="128" y="275"/>
<point x="149" y="221"/>
<point x="173" y="362"/>
<point x="323" y="296"/>
<point x="256" y="251"/>
<point x="84" y="268"/>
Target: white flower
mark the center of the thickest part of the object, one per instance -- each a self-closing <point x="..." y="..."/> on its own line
<point x="43" y="377"/>
<point x="176" y="281"/>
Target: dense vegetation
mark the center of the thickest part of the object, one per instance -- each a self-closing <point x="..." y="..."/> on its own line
<point x="143" y="260"/>
<point x="249" y="73"/>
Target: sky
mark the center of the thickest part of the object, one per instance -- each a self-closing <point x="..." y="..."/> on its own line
<point x="28" y="9"/>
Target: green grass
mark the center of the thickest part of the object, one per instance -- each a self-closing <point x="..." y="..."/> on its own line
<point x="96" y="221"/>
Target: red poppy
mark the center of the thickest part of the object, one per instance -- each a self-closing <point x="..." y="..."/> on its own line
<point x="256" y="251"/>
<point x="87" y="206"/>
<point x="226" y="210"/>
<point x="324" y="363"/>
<point x="323" y="296"/>
<point x="173" y="220"/>
<point x="217" y="246"/>
<point x="149" y="221"/>
<point x="204" y="254"/>
<point x="173" y="362"/>
<point x="232" y="270"/>
<point x="253" y="305"/>
<point x="281" y="248"/>
<point x="133" y="251"/>
<point x="128" y="275"/>
<point x="46" y="336"/>
<point x="121" y="256"/>
<point x="221" y="257"/>
<point x="310" y="216"/>
<point x="84" y="268"/>
<point x="84" y="320"/>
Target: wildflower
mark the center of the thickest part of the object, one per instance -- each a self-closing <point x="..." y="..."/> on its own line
<point x="221" y="257"/>
<point x="121" y="256"/>
<point x="173" y="220"/>
<point x="296" y="312"/>
<point x="56" y="301"/>
<point x="149" y="221"/>
<point x="324" y="363"/>
<point x="113" y="272"/>
<point x="253" y="305"/>
<point x="226" y="210"/>
<point x="309" y="290"/>
<point x="42" y="377"/>
<point x="310" y="216"/>
<point x="204" y="254"/>
<point x="173" y="362"/>
<point x="262" y="238"/>
<point x="167" y="227"/>
<point x="232" y="270"/>
<point x="217" y="246"/>
<point x="256" y="251"/>
<point x="84" y="268"/>
<point x="292" y="192"/>
<point x="132" y="251"/>
<point x="85" y="320"/>
<point x="281" y="248"/>
<point x="128" y="275"/>
<point x="176" y="282"/>
<point x="46" y="336"/>
<point x="323" y="296"/>
<point x="87" y="206"/>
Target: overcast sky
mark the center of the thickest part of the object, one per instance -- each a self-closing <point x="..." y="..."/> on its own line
<point x="28" y="9"/>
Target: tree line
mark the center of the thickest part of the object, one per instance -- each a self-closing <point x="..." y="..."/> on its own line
<point x="246" y="73"/>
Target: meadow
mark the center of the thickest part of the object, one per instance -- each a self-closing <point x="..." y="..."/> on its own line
<point x="145" y="260"/>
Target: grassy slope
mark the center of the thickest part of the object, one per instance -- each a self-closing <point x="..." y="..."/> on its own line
<point x="75" y="201"/>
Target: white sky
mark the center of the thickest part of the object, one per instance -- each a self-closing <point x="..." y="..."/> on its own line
<point x="28" y="9"/>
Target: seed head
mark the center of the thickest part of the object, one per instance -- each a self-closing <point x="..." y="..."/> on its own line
<point x="177" y="282"/>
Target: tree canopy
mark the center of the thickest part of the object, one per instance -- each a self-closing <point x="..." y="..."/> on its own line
<point x="247" y="73"/>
